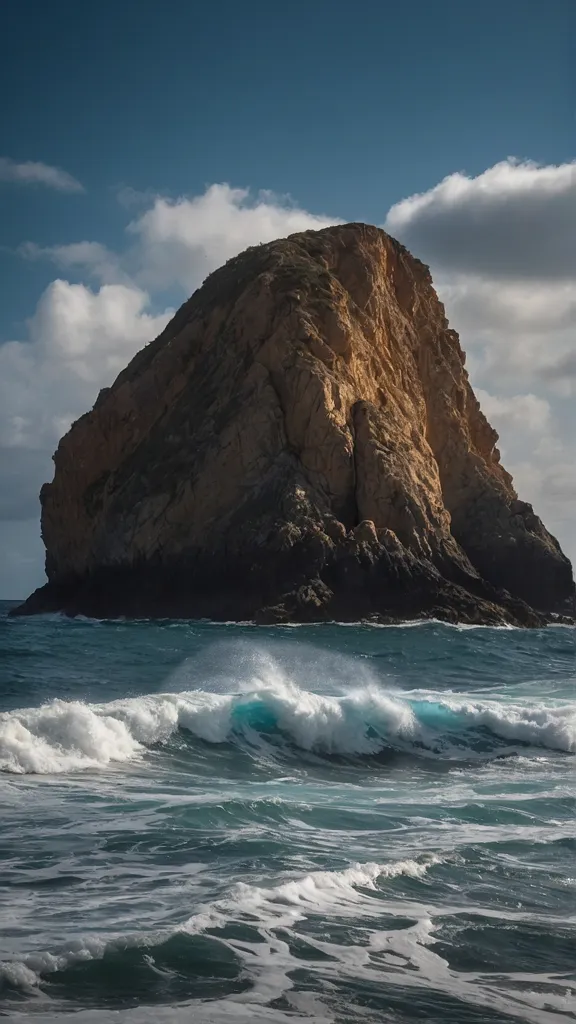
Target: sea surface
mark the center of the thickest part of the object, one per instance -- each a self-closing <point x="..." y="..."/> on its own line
<point x="215" y="823"/>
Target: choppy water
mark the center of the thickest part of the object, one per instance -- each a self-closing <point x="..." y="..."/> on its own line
<point x="348" y="824"/>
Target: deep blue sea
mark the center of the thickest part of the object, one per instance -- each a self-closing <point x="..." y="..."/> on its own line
<point x="216" y="823"/>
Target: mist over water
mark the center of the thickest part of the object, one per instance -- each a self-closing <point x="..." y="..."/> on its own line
<point x="323" y="823"/>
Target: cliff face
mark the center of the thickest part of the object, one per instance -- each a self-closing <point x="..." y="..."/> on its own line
<point x="301" y="442"/>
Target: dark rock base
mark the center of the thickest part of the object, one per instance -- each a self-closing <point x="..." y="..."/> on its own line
<point x="343" y="594"/>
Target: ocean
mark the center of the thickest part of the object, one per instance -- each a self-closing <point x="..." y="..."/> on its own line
<point x="215" y="823"/>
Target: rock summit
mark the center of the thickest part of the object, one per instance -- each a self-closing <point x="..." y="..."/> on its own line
<point x="301" y="443"/>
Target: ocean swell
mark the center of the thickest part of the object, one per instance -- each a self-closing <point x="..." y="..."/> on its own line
<point x="66" y="736"/>
<point x="273" y="907"/>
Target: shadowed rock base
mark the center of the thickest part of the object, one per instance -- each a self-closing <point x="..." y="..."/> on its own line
<point x="300" y="444"/>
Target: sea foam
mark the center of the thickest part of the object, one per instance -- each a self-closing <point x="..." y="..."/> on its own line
<point x="67" y="736"/>
<point x="282" y="904"/>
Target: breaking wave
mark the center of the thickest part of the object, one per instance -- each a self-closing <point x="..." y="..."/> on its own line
<point x="346" y="891"/>
<point x="67" y="736"/>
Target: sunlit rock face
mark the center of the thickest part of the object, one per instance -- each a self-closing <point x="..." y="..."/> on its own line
<point x="300" y="443"/>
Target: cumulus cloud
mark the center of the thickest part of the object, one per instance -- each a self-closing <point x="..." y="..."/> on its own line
<point x="515" y="220"/>
<point x="78" y="342"/>
<point x="34" y="173"/>
<point x="514" y="332"/>
<point x="175" y="243"/>
<point x="180" y="241"/>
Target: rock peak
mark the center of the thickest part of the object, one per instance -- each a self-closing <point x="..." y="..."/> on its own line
<point x="300" y="443"/>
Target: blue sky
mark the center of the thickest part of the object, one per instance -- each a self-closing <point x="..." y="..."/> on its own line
<point x="349" y="109"/>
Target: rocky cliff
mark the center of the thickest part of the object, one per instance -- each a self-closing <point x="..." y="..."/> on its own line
<point x="300" y="443"/>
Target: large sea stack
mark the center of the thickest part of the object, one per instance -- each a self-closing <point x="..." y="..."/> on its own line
<point x="301" y="443"/>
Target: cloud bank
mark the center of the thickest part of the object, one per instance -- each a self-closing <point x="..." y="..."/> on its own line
<point x="517" y="220"/>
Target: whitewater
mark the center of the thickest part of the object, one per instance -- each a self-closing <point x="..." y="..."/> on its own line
<point x="325" y="823"/>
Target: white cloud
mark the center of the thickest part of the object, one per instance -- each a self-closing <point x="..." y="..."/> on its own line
<point x="78" y="342"/>
<point x="180" y="241"/>
<point x="516" y="220"/>
<point x="515" y="332"/>
<point x="546" y="476"/>
<point x="516" y="412"/>
<point x="535" y="448"/>
<point x="34" y="173"/>
<point x="176" y="243"/>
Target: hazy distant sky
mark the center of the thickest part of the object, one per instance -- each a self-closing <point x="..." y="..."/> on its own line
<point x="142" y="143"/>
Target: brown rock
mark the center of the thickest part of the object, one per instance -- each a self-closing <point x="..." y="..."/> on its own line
<point x="300" y="442"/>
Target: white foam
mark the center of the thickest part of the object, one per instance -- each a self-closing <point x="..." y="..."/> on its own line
<point x="66" y="736"/>
<point x="408" y="953"/>
<point x="28" y="972"/>
<point x="283" y="904"/>
<point x="321" y="887"/>
<point x="347" y="893"/>
<point x="18" y="975"/>
<point x="538" y="724"/>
